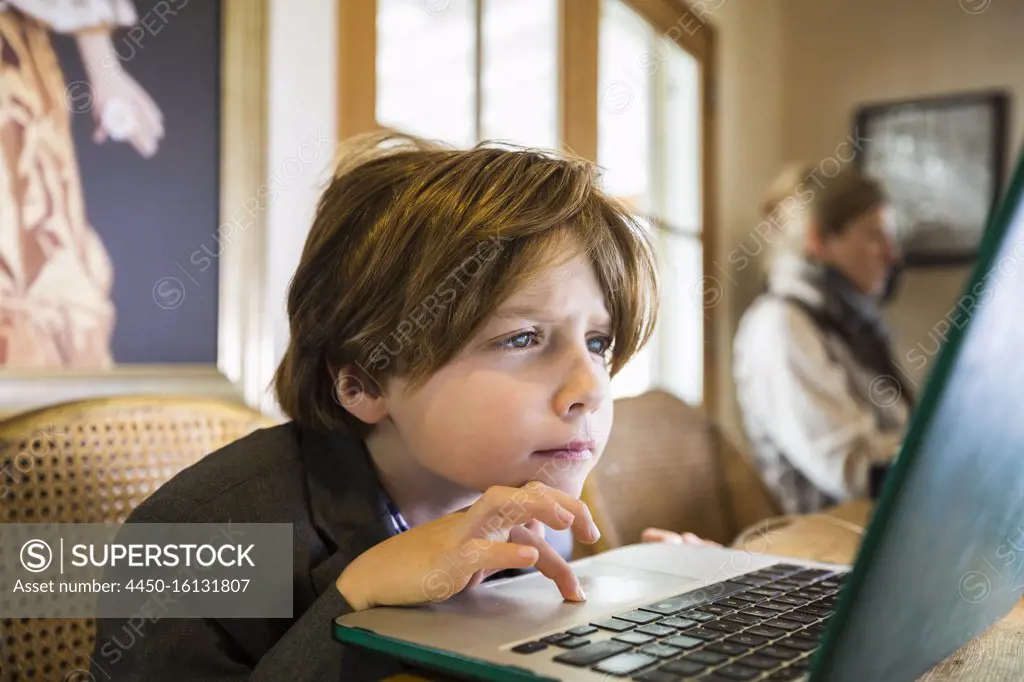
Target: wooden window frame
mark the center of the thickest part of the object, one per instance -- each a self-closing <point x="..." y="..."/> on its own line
<point x="579" y="24"/>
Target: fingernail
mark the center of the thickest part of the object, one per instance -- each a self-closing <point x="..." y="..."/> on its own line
<point x="580" y="594"/>
<point x="564" y="515"/>
<point x="595" y="532"/>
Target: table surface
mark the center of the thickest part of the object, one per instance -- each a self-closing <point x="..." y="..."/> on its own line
<point x="996" y="656"/>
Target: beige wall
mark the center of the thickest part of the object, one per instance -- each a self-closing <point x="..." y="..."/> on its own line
<point x="749" y="114"/>
<point x="834" y="55"/>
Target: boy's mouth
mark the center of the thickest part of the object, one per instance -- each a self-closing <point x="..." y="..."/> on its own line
<point x="575" y="451"/>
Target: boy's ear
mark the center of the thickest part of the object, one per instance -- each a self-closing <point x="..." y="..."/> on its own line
<point x="365" y="403"/>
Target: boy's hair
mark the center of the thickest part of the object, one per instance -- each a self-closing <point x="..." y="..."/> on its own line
<point x="415" y="245"/>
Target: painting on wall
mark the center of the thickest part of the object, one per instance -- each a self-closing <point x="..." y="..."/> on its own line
<point x="112" y="195"/>
<point x="941" y="160"/>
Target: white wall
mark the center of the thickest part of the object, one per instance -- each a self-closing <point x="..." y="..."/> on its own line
<point x="302" y="100"/>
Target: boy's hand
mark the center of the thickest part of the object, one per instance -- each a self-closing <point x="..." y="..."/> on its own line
<point x="441" y="558"/>
<point x="660" y="535"/>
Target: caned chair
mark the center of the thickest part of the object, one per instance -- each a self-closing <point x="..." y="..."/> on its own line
<point x="94" y="461"/>
<point x="666" y="465"/>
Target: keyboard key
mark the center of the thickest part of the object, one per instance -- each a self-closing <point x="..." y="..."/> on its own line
<point x="733" y="603"/>
<point x="573" y="642"/>
<point x="760" y="662"/>
<point x="737" y="672"/>
<point x="633" y="638"/>
<point x="749" y="597"/>
<point x="780" y="608"/>
<point x="741" y="618"/>
<point x="780" y="652"/>
<point x="765" y="591"/>
<point x="801" y="663"/>
<point x="592" y="653"/>
<point x="814" y="573"/>
<point x="766" y="631"/>
<point x="529" y="647"/>
<point x="724" y="626"/>
<point x="706" y="657"/>
<point x="673" y="605"/>
<point x="790" y="599"/>
<point x="614" y="625"/>
<point x="699" y="616"/>
<point x="705" y="634"/>
<point x="718" y="609"/>
<point x="639" y="617"/>
<point x="679" y="623"/>
<point x="661" y="650"/>
<point x="801" y="617"/>
<point x="683" y="667"/>
<point x="683" y="641"/>
<point x="829" y="584"/>
<point x="555" y="638"/>
<point x="789" y="584"/>
<point x="747" y="640"/>
<point x="624" y="664"/>
<point x="582" y="630"/>
<point x="786" y="674"/>
<point x="787" y="625"/>
<point x="800" y="643"/>
<point x="772" y="587"/>
<point x="753" y="582"/>
<point x="788" y="568"/>
<point x="656" y="630"/>
<point x="727" y="648"/>
<point x="815" y="611"/>
<point x="759" y="613"/>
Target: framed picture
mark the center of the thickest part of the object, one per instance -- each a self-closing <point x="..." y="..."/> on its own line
<point x="132" y="259"/>
<point x="941" y="160"/>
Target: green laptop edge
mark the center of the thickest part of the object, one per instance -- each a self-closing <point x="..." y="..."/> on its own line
<point x="436" y="659"/>
<point x="998" y="224"/>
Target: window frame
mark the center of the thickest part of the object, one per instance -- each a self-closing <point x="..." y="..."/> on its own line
<point x="579" y="22"/>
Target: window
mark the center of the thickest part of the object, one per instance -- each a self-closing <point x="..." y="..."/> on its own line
<point x="466" y="70"/>
<point x="649" y="145"/>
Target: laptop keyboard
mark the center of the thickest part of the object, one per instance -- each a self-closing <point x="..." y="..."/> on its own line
<point x="762" y="625"/>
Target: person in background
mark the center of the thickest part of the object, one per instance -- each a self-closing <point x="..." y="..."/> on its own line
<point x="823" y="402"/>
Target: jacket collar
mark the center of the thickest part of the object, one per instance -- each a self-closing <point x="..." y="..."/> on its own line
<point x="348" y="507"/>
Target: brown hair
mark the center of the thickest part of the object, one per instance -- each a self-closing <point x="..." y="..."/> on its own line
<point x="415" y="245"/>
<point x="833" y="201"/>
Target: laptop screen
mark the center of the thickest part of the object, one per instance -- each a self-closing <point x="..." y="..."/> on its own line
<point x="944" y="556"/>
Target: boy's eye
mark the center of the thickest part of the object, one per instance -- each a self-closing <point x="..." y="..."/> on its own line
<point x="600" y="344"/>
<point x="518" y="342"/>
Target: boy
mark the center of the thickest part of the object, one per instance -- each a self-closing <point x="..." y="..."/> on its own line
<point x="455" y="319"/>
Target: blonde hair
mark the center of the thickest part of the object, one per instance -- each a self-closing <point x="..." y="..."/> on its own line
<point x="797" y="197"/>
<point x="395" y="234"/>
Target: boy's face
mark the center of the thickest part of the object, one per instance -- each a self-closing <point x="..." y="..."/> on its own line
<point x="532" y="381"/>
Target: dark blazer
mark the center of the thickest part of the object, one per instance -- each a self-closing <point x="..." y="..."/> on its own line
<point x="324" y="485"/>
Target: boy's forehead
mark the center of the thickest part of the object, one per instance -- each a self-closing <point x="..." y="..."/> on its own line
<point x="566" y="289"/>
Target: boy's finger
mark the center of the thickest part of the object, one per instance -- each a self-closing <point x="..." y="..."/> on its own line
<point x="502" y="555"/>
<point x="659" y="535"/>
<point x="501" y="509"/>
<point x="584" y="528"/>
<point x="551" y="564"/>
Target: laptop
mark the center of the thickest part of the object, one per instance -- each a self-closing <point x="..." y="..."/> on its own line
<point x="941" y="561"/>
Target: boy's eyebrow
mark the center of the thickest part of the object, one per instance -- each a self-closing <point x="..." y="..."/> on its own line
<point x="528" y="311"/>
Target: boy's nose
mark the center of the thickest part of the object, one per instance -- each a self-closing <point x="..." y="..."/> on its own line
<point x="584" y="389"/>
